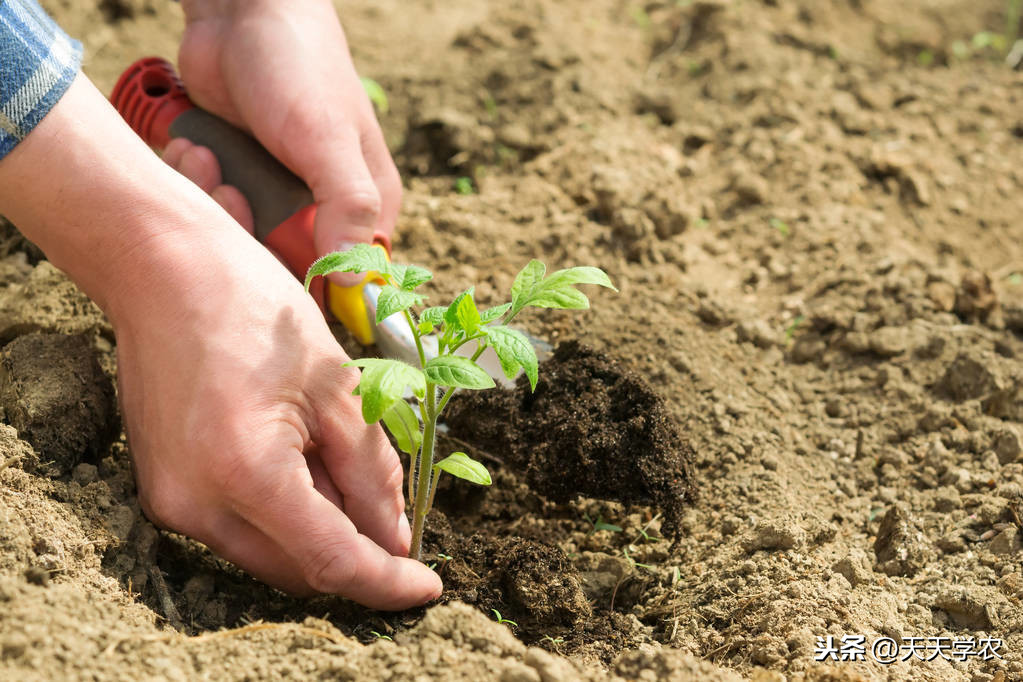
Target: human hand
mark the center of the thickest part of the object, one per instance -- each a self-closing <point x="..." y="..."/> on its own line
<point x="283" y="72"/>
<point x="245" y="435"/>
<point x="240" y="418"/>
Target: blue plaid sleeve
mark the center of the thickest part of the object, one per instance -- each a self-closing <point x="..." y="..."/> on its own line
<point x="37" y="64"/>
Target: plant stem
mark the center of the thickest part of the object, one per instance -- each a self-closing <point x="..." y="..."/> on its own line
<point x="412" y="466"/>
<point x="415" y="335"/>
<point x="433" y="490"/>
<point x="425" y="472"/>
<point x="425" y="452"/>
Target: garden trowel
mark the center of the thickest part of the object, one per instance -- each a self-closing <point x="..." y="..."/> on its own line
<point x="153" y="101"/>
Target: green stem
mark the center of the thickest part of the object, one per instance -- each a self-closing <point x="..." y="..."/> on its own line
<point x="433" y="490"/>
<point x="421" y="507"/>
<point x="415" y="335"/>
<point x="413" y="464"/>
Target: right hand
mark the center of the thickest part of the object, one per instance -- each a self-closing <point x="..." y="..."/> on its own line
<point x="245" y="434"/>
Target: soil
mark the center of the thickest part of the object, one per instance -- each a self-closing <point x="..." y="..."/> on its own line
<point x="590" y="428"/>
<point x="812" y="212"/>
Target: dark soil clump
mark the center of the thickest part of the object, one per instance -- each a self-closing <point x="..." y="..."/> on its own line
<point x="591" y="428"/>
<point x="529" y="582"/>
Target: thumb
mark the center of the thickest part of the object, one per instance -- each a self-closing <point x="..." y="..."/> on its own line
<point x="349" y="203"/>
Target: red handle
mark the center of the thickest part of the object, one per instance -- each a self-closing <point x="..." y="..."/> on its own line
<point x="149" y="95"/>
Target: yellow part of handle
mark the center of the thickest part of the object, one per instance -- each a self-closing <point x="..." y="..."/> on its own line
<point x="349" y="307"/>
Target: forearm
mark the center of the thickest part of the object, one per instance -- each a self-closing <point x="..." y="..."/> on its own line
<point x="98" y="202"/>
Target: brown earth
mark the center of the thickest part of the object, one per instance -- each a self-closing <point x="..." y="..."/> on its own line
<point x="812" y="210"/>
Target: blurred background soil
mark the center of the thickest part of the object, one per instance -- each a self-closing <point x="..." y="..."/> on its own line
<point x="813" y="212"/>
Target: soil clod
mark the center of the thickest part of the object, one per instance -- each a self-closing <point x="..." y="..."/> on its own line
<point x="592" y="428"/>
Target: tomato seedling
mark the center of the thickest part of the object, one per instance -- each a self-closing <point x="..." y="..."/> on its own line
<point x="384" y="381"/>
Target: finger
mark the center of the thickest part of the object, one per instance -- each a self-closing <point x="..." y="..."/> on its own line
<point x="348" y="201"/>
<point x="235" y="203"/>
<point x="362" y="464"/>
<point x="199" y="165"/>
<point x="241" y="543"/>
<point x="385" y="175"/>
<point x="322" y="481"/>
<point x="333" y="557"/>
<point x="174" y="150"/>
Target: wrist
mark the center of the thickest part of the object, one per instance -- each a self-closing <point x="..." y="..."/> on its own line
<point x="99" y="203"/>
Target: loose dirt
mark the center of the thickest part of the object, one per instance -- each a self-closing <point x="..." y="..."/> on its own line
<point x="812" y="211"/>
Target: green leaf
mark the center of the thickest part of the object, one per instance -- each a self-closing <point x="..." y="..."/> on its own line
<point x="565" y="299"/>
<point x="461" y="465"/>
<point x="458" y="372"/>
<point x="514" y="350"/>
<point x="360" y="258"/>
<point x="425" y="327"/>
<point x="408" y="277"/>
<point x="556" y="290"/>
<point x="434" y="315"/>
<point x="451" y="315"/>
<point x="376" y="94"/>
<point x="524" y="283"/>
<point x="491" y="314"/>
<point x="403" y="424"/>
<point x="383" y="383"/>
<point x="394" y="300"/>
<point x="465" y="314"/>
<point x="583" y="274"/>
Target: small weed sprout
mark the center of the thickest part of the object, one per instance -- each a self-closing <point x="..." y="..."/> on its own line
<point x="379" y="636"/>
<point x="376" y="94"/>
<point x="782" y="227"/>
<point x="644" y="532"/>
<point x="502" y="620"/>
<point x="601" y="524"/>
<point x="384" y="381"/>
<point x="634" y="563"/>
<point x="464" y="186"/>
<point x="790" y="331"/>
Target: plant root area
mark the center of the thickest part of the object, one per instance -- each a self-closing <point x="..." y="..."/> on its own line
<point x="801" y="417"/>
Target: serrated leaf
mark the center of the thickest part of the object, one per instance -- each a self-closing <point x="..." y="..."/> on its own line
<point x="451" y="314"/>
<point x="458" y="372"/>
<point x="414" y="276"/>
<point x="514" y="351"/>
<point x="525" y="281"/>
<point x="403" y="424"/>
<point x="434" y="315"/>
<point x="382" y="384"/>
<point x="461" y="465"/>
<point x="359" y="258"/>
<point x="558" y="290"/>
<point x="394" y="300"/>
<point x="491" y="314"/>
<point x="467" y="314"/>
<point x="408" y="277"/>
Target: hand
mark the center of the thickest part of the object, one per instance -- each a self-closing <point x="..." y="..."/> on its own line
<point x="245" y="435"/>
<point x="240" y="418"/>
<point x="283" y="72"/>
